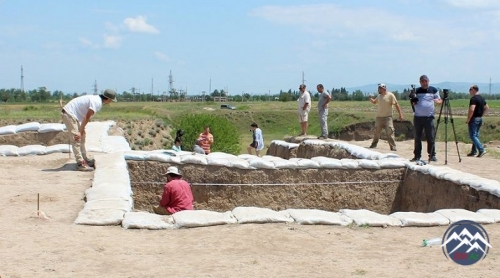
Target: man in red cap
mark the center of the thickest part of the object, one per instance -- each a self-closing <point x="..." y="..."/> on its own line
<point x="177" y="194"/>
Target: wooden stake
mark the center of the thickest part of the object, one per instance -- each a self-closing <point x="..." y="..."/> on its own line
<point x="38" y="205"/>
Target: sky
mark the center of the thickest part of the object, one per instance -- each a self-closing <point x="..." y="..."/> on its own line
<point x="254" y="47"/>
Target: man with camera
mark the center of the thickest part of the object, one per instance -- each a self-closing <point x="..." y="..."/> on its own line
<point x="477" y="108"/>
<point x="385" y="100"/>
<point x="423" y="101"/>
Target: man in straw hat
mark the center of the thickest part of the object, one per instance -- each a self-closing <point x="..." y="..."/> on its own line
<point x="76" y="115"/>
<point x="177" y="194"/>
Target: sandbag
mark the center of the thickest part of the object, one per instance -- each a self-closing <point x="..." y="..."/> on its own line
<point x="305" y="163"/>
<point x="100" y="217"/>
<point x="33" y="126"/>
<point x="259" y="215"/>
<point x="202" y="218"/>
<point x="366" y="217"/>
<point x="194" y="159"/>
<point x="9" y="150"/>
<point x="328" y="162"/>
<point x="491" y="213"/>
<point x="260" y="163"/>
<point x="54" y="127"/>
<point x="455" y="215"/>
<point x="420" y="219"/>
<point x="146" y="220"/>
<point x="315" y="217"/>
<point x="9" y="129"/>
<point x="136" y="155"/>
<point x="32" y="150"/>
<point x="59" y="148"/>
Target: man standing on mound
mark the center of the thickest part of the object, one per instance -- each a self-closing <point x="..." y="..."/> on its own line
<point x="76" y="115"/>
<point x="177" y="194"/>
<point x="385" y="100"/>
<point x="304" y="107"/>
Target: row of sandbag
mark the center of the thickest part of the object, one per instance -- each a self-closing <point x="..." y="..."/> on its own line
<point x="110" y="196"/>
<point x="357" y="151"/>
<point x="361" y="217"/>
<point x="32" y="126"/>
<point x="11" y="150"/>
<point x="246" y="161"/>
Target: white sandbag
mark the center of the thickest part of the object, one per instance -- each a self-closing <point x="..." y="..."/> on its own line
<point x="219" y="161"/>
<point x="161" y="157"/>
<point x="112" y="203"/>
<point x="491" y="213"/>
<point x="390" y="163"/>
<point x="32" y="150"/>
<point x="32" y="126"/>
<point x="9" y="150"/>
<point x="219" y="155"/>
<point x="247" y="156"/>
<point x="202" y="218"/>
<point x="369" y="164"/>
<point x="350" y="163"/>
<point x="370" y="218"/>
<point x="114" y="144"/>
<point x="259" y="215"/>
<point x="100" y="217"/>
<point x="271" y="158"/>
<point x="54" y="127"/>
<point x="194" y="159"/>
<point x="285" y="164"/>
<point x="8" y="129"/>
<point x="456" y="215"/>
<point x="259" y="163"/>
<point x="59" y="148"/>
<point x="488" y="185"/>
<point x="136" y="155"/>
<point x="439" y="171"/>
<point x="108" y="192"/>
<point x="420" y="219"/>
<point x="304" y="163"/>
<point x="110" y="161"/>
<point x="315" y="217"/>
<point x="146" y="220"/>
<point x="240" y="163"/>
<point x="115" y="185"/>
<point x="328" y="162"/>
<point x="111" y="176"/>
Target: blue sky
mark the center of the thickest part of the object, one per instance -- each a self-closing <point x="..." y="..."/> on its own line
<point x="245" y="46"/>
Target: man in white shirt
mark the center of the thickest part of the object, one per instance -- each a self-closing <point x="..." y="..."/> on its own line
<point x="76" y="115"/>
<point x="304" y="107"/>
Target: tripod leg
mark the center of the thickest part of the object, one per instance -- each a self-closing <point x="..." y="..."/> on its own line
<point x="436" y="129"/>
<point x="454" y="132"/>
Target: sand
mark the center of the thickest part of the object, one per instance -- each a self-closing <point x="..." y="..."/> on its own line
<point x="34" y="247"/>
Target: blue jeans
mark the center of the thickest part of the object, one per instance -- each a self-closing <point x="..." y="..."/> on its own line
<point x="474" y="126"/>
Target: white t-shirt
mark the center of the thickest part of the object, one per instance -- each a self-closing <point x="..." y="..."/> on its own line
<point x="78" y="107"/>
<point x="304" y="98"/>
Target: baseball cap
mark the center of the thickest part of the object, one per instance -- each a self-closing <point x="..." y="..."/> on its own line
<point x="173" y="170"/>
<point x="110" y="94"/>
<point x="381" y="85"/>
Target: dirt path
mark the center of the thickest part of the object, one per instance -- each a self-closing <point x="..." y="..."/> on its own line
<point x="32" y="247"/>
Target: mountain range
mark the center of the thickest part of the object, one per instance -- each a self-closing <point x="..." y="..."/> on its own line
<point x="458" y="87"/>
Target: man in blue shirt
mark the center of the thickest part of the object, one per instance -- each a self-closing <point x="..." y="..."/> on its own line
<point x="423" y="120"/>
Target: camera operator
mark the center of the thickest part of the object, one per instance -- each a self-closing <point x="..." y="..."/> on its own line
<point x="423" y="103"/>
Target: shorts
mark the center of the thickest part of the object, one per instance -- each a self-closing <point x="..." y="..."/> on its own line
<point x="254" y="144"/>
<point x="303" y="116"/>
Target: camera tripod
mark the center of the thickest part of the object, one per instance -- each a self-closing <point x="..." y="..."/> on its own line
<point x="447" y="115"/>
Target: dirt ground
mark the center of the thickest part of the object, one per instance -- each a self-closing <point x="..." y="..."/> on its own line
<point x="34" y="247"/>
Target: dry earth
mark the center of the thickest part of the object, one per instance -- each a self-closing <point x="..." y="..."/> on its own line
<point x="34" y="247"/>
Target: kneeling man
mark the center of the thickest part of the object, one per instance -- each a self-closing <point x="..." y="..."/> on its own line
<point x="177" y="194"/>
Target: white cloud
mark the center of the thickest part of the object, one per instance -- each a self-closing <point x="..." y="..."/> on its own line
<point x="161" y="56"/>
<point x="86" y="42"/>
<point x="112" y="41"/>
<point x="139" y="24"/>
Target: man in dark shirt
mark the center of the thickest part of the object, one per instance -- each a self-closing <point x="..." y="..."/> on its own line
<point x="477" y="108"/>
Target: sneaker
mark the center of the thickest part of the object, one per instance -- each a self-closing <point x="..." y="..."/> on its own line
<point x="84" y="167"/>
<point x="480" y="154"/>
<point x="471" y="154"/>
<point x="91" y="163"/>
<point x="394" y="149"/>
<point x="372" y="146"/>
<point x="433" y="158"/>
<point x="415" y="159"/>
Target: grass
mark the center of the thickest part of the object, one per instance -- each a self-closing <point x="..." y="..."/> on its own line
<point x="276" y="119"/>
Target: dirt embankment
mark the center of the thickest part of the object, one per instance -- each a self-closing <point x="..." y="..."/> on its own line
<point x="403" y="130"/>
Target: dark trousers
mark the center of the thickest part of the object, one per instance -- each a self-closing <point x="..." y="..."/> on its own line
<point x="424" y="124"/>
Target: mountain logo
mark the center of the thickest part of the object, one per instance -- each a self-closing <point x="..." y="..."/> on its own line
<point x="466" y="242"/>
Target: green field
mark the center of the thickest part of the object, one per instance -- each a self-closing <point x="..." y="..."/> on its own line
<point x="276" y="119"/>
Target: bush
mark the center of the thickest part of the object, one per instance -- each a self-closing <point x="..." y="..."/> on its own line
<point x="225" y="134"/>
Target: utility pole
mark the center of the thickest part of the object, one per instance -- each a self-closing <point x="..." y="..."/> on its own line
<point x="95" y="87"/>
<point x="303" y="80"/>
<point x="490" y="87"/>
<point x="152" y="88"/>
<point x="171" y="84"/>
<point x="210" y="87"/>
<point x="22" y="79"/>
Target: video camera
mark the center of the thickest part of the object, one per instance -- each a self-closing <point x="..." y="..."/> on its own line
<point x="446" y="93"/>
<point x="413" y="95"/>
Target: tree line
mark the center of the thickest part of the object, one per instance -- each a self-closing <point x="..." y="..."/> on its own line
<point x="42" y="95"/>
